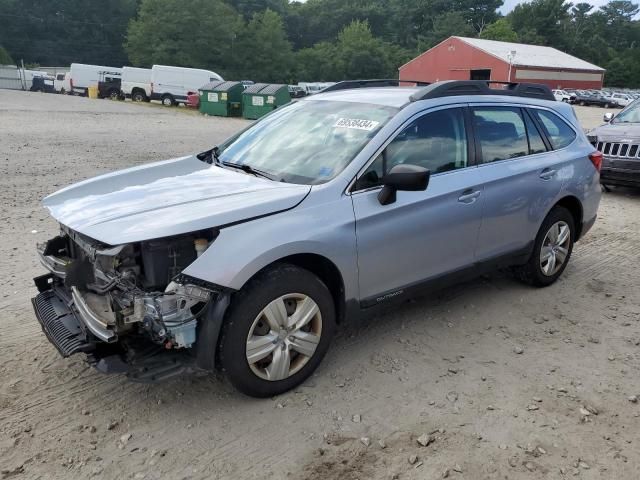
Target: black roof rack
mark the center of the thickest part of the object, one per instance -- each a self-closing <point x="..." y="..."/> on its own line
<point x="482" y="87"/>
<point x="380" y="82"/>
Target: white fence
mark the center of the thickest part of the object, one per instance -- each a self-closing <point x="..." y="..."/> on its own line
<point x="12" y="77"/>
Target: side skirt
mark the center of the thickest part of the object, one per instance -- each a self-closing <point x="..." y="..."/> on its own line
<point x="398" y="295"/>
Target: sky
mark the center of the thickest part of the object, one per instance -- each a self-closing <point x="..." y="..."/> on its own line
<point x="509" y="4"/>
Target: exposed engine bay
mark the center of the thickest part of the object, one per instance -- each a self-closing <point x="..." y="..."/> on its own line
<point x="133" y="291"/>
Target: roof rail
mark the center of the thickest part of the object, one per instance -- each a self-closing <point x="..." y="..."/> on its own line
<point x="381" y="82"/>
<point x="482" y="87"/>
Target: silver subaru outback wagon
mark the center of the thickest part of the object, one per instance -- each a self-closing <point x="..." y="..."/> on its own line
<point x="245" y="257"/>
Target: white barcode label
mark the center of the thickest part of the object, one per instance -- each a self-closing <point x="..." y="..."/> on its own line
<point x="356" y="123"/>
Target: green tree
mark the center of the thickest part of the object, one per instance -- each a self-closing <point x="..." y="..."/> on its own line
<point x="264" y="53"/>
<point x="64" y="31"/>
<point x="248" y="8"/>
<point x="500" y="30"/>
<point x="359" y="54"/>
<point x="618" y="16"/>
<point x="316" y="63"/>
<point x="444" y="26"/>
<point x="479" y="13"/>
<point x="5" y="58"/>
<point x="189" y="33"/>
<point x="542" y="22"/>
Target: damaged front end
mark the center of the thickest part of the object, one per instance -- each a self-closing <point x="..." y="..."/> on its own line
<point x="129" y="307"/>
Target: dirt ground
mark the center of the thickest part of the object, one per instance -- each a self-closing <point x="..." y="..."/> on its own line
<point x="499" y="379"/>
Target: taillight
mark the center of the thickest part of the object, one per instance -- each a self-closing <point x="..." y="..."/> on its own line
<point x="596" y="159"/>
<point x="151" y="87"/>
<point x="71" y="83"/>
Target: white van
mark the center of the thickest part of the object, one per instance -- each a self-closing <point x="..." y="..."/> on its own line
<point x="61" y="83"/>
<point x="172" y="84"/>
<point x="82" y="76"/>
<point x="136" y="83"/>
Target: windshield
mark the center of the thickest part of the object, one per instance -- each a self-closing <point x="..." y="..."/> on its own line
<point x="308" y="142"/>
<point x="630" y="114"/>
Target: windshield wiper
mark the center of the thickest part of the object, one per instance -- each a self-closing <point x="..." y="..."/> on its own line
<point x="213" y="156"/>
<point x="248" y="169"/>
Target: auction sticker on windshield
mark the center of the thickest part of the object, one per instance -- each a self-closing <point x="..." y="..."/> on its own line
<point x="356" y="123"/>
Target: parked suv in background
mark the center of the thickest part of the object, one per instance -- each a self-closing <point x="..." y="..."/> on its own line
<point x="619" y="141"/>
<point x="246" y="256"/>
<point x="564" y="96"/>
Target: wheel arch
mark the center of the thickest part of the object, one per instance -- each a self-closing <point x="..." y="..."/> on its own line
<point x="324" y="269"/>
<point x="135" y="90"/>
<point x="574" y="206"/>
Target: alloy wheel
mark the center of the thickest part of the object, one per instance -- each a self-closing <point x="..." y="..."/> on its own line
<point x="284" y="336"/>
<point x="555" y="248"/>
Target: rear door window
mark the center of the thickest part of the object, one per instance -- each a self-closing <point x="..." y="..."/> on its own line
<point x="559" y="133"/>
<point x="536" y="144"/>
<point x="501" y="133"/>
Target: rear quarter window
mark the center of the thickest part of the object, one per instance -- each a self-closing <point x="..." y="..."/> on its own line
<point x="558" y="132"/>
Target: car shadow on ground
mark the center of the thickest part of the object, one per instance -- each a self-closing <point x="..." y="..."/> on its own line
<point x="622" y="191"/>
<point x="357" y="339"/>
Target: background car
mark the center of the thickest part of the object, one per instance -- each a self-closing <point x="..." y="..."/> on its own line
<point x="587" y="98"/>
<point x="564" y="96"/>
<point x="619" y="142"/>
<point x="297" y="91"/>
<point x="622" y="99"/>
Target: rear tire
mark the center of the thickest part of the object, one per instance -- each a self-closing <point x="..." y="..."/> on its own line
<point x="267" y="314"/>
<point x="550" y="255"/>
<point x="138" y="96"/>
<point x="168" y="100"/>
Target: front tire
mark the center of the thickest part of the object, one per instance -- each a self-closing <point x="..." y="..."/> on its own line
<point x="277" y="330"/>
<point x="552" y="249"/>
<point x="168" y="101"/>
<point x="139" y="96"/>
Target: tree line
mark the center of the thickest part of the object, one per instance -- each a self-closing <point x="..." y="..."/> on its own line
<point x="319" y="40"/>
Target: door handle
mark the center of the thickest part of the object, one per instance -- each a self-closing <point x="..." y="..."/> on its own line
<point x="547" y="174"/>
<point x="469" y="196"/>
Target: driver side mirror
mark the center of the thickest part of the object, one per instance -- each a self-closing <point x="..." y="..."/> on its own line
<point x="608" y="117"/>
<point x="408" y="178"/>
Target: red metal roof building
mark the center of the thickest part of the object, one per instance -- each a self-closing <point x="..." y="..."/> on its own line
<point x="460" y="58"/>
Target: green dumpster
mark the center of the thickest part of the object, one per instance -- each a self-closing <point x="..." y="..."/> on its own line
<point x="261" y="98"/>
<point x="223" y="99"/>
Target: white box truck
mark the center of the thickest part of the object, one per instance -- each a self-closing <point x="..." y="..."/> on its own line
<point x="136" y="83"/>
<point x="82" y="76"/>
<point x="171" y="85"/>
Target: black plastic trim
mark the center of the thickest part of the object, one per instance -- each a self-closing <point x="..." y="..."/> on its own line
<point x="451" y="88"/>
<point x="184" y="279"/>
<point x="372" y="83"/>
<point x="208" y="332"/>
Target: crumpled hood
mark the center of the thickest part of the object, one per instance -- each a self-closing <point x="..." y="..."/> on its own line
<point x="620" y="132"/>
<point x="167" y="198"/>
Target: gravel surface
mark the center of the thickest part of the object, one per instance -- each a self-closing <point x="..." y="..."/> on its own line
<point x="488" y="379"/>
